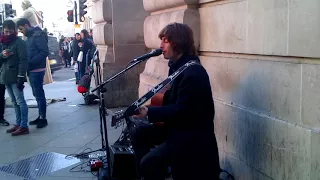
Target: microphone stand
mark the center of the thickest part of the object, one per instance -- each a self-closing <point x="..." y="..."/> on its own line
<point x="102" y="111"/>
<point x="105" y="172"/>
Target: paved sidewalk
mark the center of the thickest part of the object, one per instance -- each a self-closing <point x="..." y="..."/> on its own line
<point x="72" y="128"/>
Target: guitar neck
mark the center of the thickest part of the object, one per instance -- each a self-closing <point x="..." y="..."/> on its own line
<point x="158" y="88"/>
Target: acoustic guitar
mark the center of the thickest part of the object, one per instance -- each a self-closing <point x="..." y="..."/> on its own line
<point x="157" y="100"/>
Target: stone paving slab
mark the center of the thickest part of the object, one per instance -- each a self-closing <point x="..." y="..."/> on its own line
<point x="72" y="128"/>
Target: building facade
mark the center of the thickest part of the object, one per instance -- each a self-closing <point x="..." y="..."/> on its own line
<point x="118" y="34"/>
<point x="263" y="60"/>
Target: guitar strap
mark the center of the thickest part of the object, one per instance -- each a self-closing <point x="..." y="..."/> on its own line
<point x="131" y="109"/>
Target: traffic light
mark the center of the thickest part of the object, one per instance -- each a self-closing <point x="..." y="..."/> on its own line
<point x="82" y="9"/>
<point x="14" y="13"/>
<point x="8" y="10"/>
<point x="70" y="15"/>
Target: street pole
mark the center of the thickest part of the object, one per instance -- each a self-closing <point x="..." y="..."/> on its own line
<point x="41" y="19"/>
<point x="76" y="12"/>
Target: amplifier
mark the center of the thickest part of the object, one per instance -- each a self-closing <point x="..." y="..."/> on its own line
<point x="123" y="164"/>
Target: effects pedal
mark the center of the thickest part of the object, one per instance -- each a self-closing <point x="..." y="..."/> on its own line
<point x="95" y="165"/>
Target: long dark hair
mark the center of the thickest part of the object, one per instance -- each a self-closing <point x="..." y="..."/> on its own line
<point x="180" y="36"/>
<point x="85" y="33"/>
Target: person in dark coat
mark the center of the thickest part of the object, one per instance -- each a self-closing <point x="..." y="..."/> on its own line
<point x="14" y="64"/>
<point x="75" y="52"/>
<point x="3" y="122"/>
<point x="65" y="53"/>
<point x="187" y="141"/>
<point x="38" y="51"/>
<point x="86" y="46"/>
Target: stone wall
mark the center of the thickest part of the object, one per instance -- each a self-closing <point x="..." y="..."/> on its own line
<point x="118" y="34"/>
<point x="263" y="59"/>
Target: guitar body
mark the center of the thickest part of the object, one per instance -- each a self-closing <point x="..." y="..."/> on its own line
<point x="157" y="100"/>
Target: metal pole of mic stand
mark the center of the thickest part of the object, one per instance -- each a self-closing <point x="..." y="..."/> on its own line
<point x="104" y="174"/>
<point x="104" y="135"/>
<point x="103" y="123"/>
<point x="102" y="110"/>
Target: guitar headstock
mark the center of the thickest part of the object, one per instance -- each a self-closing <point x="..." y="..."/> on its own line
<point x="117" y="118"/>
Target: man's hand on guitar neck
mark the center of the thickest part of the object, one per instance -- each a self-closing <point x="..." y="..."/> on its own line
<point x="141" y="112"/>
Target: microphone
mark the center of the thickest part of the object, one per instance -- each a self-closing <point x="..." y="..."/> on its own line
<point x="153" y="53"/>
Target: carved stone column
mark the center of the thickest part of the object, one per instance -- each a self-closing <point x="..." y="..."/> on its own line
<point x="119" y="37"/>
<point x="162" y="13"/>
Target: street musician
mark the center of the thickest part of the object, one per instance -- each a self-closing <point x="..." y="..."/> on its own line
<point x="186" y="142"/>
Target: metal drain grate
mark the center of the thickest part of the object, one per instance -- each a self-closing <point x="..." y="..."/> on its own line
<point x="39" y="165"/>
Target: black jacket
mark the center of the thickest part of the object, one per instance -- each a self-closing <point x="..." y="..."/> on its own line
<point x="188" y="113"/>
<point x="38" y="50"/>
<point x="14" y="65"/>
<point x="188" y="103"/>
<point x="86" y="48"/>
<point x="75" y="49"/>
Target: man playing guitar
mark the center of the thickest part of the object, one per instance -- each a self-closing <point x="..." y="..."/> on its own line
<point x="186" y="141"/>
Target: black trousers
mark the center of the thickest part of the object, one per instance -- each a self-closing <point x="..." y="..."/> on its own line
<point x="2" y="100"/>
<point x="67" y="58"/>
<point x="152" y="162"/>
<point x="187" y="162"/>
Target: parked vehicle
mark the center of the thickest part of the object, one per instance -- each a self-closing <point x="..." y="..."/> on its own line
<point x="54" y="56"/>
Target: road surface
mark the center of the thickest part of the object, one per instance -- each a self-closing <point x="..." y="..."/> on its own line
<point x="64" y="74"/>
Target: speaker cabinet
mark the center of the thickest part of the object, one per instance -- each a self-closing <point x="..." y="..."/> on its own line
<point x="123" y="162"/>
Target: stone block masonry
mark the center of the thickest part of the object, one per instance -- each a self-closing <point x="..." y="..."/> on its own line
<point x="263" y="60"/>
<point x="119" y="37"/>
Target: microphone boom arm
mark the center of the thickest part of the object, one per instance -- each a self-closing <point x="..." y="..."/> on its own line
<point x="134" y="63"/>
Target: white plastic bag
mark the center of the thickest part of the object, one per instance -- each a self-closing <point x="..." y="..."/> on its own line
<point x="80" y="56"/>
<point x="76" y="67"/>
<point x="72" y="61"/>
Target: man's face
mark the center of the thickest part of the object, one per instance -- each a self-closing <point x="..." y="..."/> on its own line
<point x="78" y="37"/>
<point x="82" y="35"/>
<point x="7" y="31"/>
<point x="166" y="47"/>
<point x="23" y="29"/>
